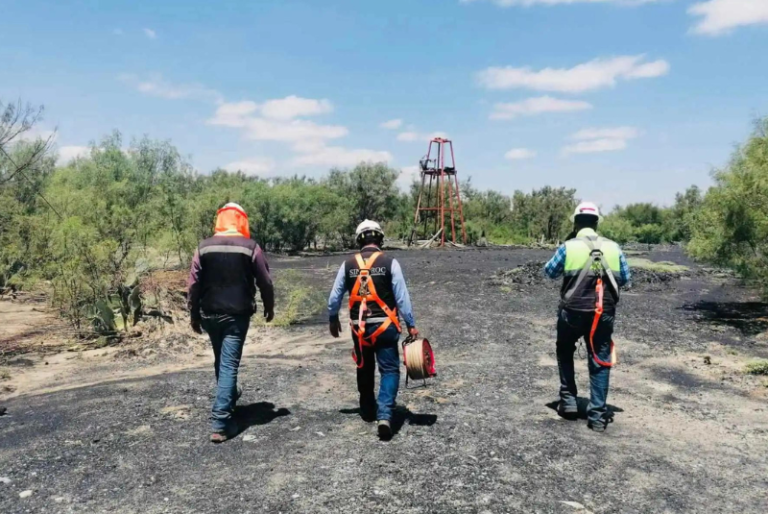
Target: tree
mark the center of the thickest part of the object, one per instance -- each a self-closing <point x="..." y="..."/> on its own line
<point x="544" y="214"/>
<point x="679" y="218"/>
<point x="25" y="166"/>
<point x="371" y="189"/>
<point x="731" y="227"/>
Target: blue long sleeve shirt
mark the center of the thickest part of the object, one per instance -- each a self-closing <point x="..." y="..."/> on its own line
<point x="400" y="289"/>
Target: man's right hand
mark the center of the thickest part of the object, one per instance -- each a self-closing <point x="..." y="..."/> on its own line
<point x="196" y="328"/>
<point x="413" y="332"/>
<point x="335" y="327"/>
<point x="269" y="315"/>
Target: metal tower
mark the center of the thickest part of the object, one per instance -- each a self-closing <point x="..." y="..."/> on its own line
<point x="445" y="200"/>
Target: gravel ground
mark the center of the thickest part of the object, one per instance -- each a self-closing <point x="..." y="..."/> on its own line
<point x="688" y="437"/>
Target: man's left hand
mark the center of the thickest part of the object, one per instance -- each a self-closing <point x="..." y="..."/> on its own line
<point x="196" y="328"/>
<point x="335" y="327"/>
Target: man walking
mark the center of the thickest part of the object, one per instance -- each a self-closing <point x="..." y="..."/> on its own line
<point x="593" y="270"/>
<point x="377" y="294"/>
<point x="226" y="270"/>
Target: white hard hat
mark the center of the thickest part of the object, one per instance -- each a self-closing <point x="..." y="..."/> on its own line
<point x="368" y="226"/>
<point x="586" y="209"/>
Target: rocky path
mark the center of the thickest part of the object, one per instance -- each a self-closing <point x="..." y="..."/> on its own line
<point x="690" y="433"/>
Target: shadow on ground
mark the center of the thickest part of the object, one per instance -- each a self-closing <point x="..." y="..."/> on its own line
<point x="750" y="318"/>
<point x="260" y="413"/>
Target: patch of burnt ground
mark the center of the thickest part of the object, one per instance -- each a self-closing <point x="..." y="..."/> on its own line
<point x="531" y="274"/>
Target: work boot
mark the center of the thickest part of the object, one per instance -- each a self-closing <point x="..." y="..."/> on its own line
<point x="219" y="436"/>
<point x="596" y="426"/>
<point x="385" y="430"/>
<point x="569" y="411"/>
<point x="602" y="424"/>
<point x="368" y="409"/>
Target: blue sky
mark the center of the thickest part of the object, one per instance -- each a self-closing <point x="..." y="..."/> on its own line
<point x="625" y="100"/>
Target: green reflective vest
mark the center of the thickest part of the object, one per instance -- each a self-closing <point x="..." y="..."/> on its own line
<point x="581" y="296"/>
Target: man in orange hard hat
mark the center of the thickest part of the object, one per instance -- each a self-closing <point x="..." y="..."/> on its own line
<point x="226" y="270"/>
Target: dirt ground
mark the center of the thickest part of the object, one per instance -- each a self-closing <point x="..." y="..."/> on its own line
<point x="96" y="431"/>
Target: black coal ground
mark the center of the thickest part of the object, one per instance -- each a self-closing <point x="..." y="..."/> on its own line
<point x="479" y="439"/>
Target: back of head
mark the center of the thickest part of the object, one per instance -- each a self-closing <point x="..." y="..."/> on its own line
<point x="369" y="233"/>
<point x="586" y="215"/>
<point x="231" y="220"/>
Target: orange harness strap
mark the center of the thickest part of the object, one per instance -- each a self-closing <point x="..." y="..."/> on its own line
<point x="595" y="322"/>
<point x="363" y="292"/>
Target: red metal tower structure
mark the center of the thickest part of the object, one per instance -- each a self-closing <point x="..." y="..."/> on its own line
<point x="446" y="199"/>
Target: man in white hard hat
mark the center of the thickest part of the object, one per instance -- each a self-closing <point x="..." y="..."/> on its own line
<point x="377" y="295"/>
<point x="593" y="269"/>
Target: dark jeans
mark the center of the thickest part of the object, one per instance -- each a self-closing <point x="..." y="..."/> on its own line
<point x="571" y="326"/>
<point x="386" y="352"/>
<point x="227" y="333"/>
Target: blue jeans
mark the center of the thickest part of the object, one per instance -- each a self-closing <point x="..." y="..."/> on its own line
<point x="571" y="326"/>
<point x="227" y="333"/>
<point x="387" y="353"/>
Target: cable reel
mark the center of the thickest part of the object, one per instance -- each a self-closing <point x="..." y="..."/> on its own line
<point x="419" y="360"/>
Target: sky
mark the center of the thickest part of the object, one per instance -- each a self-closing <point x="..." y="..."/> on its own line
<point x="624" y="100"/>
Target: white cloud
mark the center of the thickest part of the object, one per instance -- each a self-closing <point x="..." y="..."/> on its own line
<point x="157" y="86"/>
<point x="151" y="34"/>
<point x="68" y="153"/>
<point x="519" y="154"/>
<point x="342" y="157"/>
<point x="292" y="107"/>
<point x="407" y="175"/>
<point x="392" y="124"/>
<point x="595" y="146"/>
<point x="274" y="120"/>
<point x="538" y="105"/>
<point x="260" y="129"/>
<point x="722" y="16"/>
<point x="595" y="140"/>
<point x="606" y="133"/>
<point x="280" y="120"/>
<point x="36" y="133"/>
<point x="413" y="136"/>
<point x="410" y="136"/>
<point x="252" y="166"/>
<point x="589" y="76"/>
<point x="528" y="3"/>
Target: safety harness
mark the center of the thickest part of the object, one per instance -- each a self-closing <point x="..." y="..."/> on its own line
<point x="596" y="264"/>
<point x="363" y="292"/>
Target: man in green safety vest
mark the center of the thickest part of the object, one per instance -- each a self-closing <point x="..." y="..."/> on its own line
<point x="593" y="269"/>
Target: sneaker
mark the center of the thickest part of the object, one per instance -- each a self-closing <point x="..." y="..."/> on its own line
<point x="567" y="411"/>
<point x="239" y="393"/>
<point x="385" y="430"/>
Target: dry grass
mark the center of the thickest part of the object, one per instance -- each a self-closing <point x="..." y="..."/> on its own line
<point x="757" y="367"/>
<point x="658" y="267"/>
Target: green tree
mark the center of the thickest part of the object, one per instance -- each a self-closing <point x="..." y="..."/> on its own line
<point x="544" y="214"/>
<point x="371" y="189"/>
<point x="677" y="223"/>
<point x="731" y="227"/>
